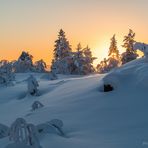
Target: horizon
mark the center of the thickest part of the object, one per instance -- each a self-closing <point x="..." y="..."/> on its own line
<point x="33" y="25"/>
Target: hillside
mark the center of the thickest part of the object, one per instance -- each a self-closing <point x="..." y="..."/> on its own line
<point x="92" y="118"/>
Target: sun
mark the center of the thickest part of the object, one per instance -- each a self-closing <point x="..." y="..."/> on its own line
<point x="100" y="52"/>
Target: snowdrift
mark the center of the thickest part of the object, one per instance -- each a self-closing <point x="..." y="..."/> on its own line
<point x="92" y="118"/>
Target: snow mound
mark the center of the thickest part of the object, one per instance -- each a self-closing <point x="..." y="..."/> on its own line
<point x="133" y="73"/>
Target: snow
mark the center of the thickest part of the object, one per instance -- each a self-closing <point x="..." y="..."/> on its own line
<point x="142" y="47"/>
<point x="91" y="118"/>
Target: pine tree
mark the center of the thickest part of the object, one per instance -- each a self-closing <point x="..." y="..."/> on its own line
<point x="88" y="60"/>
<point x="6" y="72"/>
<point x="40" y="66"/>
<point x="68" y="62"/>
<point x="113" y="58"/>
<point x="62" y="54"/>
<point x="62" y="47"/>
<point x="113" y="49"/>
<point x="130" y="53"/>
<point x="24" y="63"/>
<point x="102" y="67"/>
<point x="78" y="59"/>
<point x="79" y="51"/>
<point x="36" y="105"/>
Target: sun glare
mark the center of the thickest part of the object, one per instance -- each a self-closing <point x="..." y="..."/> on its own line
<point x="100" y="51"/>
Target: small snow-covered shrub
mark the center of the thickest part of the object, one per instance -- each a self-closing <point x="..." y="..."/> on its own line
<point x="18" y="131"/>
<point x="32" y="136"/>
<point x="4" y="131"/>
<point x="53" y="76"/>
<point x="33" y="85"/>
<point x="50" y="76"/>
<point x="23" y="134"/>
<point x="53" y="126"/>
<point x="58" y="124"/>
<point x="45" y="128"/>
<point x="37" y="105"/>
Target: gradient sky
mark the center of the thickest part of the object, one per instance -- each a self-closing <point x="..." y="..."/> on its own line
<point x="32" y="25"/>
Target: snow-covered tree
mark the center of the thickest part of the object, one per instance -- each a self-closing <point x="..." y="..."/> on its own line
<point x="23" y="134"/>
<point x="37" y="105"/>
<point x="142" y="47"/>
<point x="6" y="72"/>
<point x="32" y="85"/>
<point x="53" y="126"/>
<point x="24" y="63"/>
<point x="113" y="49"/>
<point x="18" y="131"/>
<point x="130" y="53"/>
<point x="68" y="62"/>
<point x="83" y="60"/>
<point x="112" y="63"/>
<point x="62" y="47"/>
<point x="107" y="65"/>
<point x="3" y="63"/>
<point x="113" y="58"/>
<point x="52" y="74"/>
<point x="102" y="67"/>
<point x="40" y="66"/>
<point x="4" y="131"/>
<point x="62" y="54"/>
<point x="78" y="59"/>
<point x="88" y="61"/>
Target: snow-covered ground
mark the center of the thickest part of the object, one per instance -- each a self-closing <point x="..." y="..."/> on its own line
<point x="92" y="118"/>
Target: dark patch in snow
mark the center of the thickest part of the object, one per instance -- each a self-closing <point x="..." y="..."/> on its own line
<point x="108" y="87"/>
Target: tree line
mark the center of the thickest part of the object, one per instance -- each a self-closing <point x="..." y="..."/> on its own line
<point x="67" y="61"/>
<point x="81" y="61"/>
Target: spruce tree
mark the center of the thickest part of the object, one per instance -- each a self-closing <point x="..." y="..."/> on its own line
<point x="88" y="68"/>
<point x="62" y="54"/>
<point x="130" y="53"/>
<point x="24" y="63"/>
<point x="113" y="58"/>
<point x="40" y="66"/>
<point x="78" y="59"/>
<point x="113" y="49"/>
<point x="62" y="48"/>
<point x="79" y="52"/>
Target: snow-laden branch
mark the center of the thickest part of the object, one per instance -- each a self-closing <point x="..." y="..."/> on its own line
<point x="142" y="47"/>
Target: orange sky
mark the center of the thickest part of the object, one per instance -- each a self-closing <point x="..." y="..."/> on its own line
<point x="32" y="25"/>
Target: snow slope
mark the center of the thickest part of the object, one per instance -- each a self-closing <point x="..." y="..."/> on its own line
<point x="92" y="118"/>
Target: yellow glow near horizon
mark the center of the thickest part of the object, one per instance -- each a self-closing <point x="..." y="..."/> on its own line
<point x="33" y="25"/>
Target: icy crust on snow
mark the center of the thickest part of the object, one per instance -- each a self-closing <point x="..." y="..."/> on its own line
<point x="92" y="118"/>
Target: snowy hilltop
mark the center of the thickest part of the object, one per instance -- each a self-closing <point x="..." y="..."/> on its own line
<point x="77" y="111"/>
